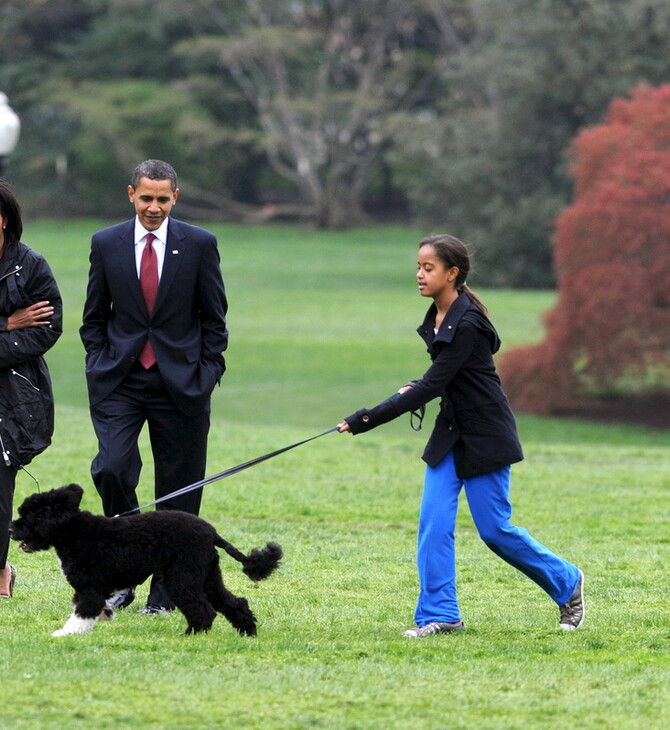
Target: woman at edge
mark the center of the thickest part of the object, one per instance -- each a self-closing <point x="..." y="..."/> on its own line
<point x="472" y="446"/>
<point x="30" y="323"/>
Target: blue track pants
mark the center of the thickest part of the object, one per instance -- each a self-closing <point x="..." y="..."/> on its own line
<point x="488" y="499"/>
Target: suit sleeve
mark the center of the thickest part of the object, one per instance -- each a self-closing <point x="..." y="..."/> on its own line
<point x="98" y="304"/>
<point x="212" y="308"/>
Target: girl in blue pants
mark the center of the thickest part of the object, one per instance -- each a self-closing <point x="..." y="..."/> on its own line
<point x="473" y="443"/>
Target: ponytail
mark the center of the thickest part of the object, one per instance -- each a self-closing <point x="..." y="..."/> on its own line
<point x="465" y="289"/>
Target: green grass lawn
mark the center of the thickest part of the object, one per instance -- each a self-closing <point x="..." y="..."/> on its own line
<point x="322" y="324"/>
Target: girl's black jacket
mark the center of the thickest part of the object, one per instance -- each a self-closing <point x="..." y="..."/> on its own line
<point x="26" y="398"/>
<point x="475" y="418"/>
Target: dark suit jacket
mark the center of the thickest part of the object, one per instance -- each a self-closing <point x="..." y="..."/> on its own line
<point x="187" y="328"/>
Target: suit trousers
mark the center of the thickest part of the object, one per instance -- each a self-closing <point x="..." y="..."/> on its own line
<point x="178" y="444"/>
<point x="488" y="499"/>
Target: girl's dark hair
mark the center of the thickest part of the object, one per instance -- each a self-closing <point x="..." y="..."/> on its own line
<point x="453" y="252"/>
<point x="11" y="213"/>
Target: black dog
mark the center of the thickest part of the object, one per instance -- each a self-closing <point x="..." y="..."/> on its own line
<point x="102" y="555"/>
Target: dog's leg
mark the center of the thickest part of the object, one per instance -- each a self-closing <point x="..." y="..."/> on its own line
<point x="186" y="592"/>
<point x="89" y="608"/>
<point x="76" y="625"/>
<point x="199" y="614"/>
<point x="234" y="608"/>
<point x="237" y="611"/>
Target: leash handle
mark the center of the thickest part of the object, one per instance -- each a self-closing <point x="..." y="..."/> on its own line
<point x="226" y="473"/>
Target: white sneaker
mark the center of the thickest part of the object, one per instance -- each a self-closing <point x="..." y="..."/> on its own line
<point x="573" y="612"/>
<point x="434" y="627"/>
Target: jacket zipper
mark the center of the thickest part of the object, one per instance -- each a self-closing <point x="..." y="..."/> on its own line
<point x="28" y="380"/>
<point x="5" y="455"/>
<point x="3" y="450"/>
<point x="15" y="270"/>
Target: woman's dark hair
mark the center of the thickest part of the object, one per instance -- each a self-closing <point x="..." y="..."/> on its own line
<point x="453" y="252"/>
<point x="11" y="213"/>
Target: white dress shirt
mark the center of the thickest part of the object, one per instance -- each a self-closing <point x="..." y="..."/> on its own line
<point x="159" y="244"/>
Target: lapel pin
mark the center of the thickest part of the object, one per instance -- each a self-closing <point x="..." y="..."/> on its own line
<point x="175" y="251"/>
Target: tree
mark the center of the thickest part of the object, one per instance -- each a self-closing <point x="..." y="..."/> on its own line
<point x="323" y="76"/>
<point x="97" y="91"/>
<point x="490" y="163"/>
<point x="463" y="108"/>
<point x="276" y="95"/>
<point x="609" y="332"/>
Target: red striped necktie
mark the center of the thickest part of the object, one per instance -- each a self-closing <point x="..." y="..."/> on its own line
<point x="149" y="284"/>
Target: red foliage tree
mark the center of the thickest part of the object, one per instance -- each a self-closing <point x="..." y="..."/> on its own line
<point x="610" y="328"/>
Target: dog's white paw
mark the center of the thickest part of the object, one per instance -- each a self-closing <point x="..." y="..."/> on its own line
<point x="61" y="632"/>
<point x="76" y="625"/>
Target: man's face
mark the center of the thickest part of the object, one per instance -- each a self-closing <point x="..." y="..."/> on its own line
<point x="153" y="201"/>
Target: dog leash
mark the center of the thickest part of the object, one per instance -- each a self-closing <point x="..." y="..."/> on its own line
<point x="226" y="473"/>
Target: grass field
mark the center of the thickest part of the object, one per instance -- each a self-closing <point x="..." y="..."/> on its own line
<point x="322" y="324"/>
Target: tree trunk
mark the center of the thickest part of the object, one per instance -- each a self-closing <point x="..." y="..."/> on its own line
<point x="340" y="209"/>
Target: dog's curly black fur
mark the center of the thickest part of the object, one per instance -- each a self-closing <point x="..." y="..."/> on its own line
<point x="102" y="555"/>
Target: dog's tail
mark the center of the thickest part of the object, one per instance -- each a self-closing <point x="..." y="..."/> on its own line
<point x="260" y="563"/>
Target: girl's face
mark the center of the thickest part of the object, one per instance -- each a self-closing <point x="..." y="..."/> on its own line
<point x="434" y="278"/>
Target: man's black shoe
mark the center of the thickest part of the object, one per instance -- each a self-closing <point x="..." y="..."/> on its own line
<point x="122" y="599"/>
<point x="151" y="609"/>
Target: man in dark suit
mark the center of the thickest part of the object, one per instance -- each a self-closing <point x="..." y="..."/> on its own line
<point x="154" y="330"/>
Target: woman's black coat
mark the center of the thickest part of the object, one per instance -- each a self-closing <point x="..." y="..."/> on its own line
<point x="26" y="398"/>
<point x="475" y="418"/>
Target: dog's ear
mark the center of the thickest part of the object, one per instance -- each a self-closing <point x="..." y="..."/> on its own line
<point x="72" y="495"/>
